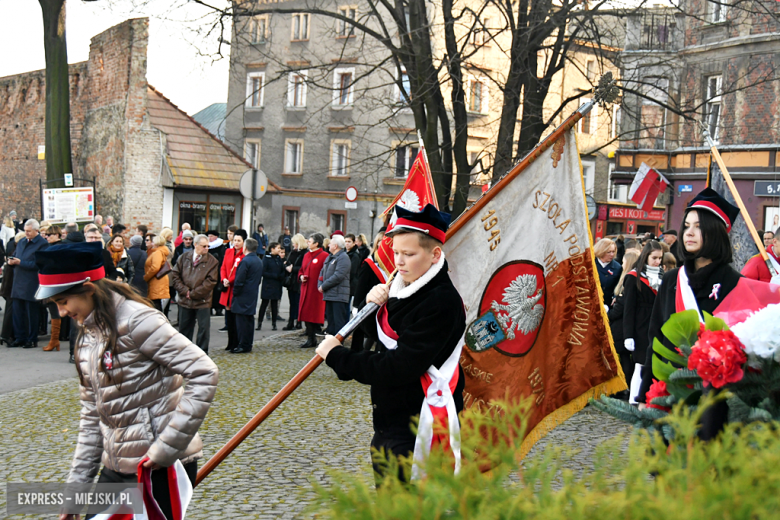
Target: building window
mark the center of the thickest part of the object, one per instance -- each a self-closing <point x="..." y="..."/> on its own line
<point x="300" y="27"/>
<point x="343" y="86"/>
<point x="480" y="35"/>
<point x="588" y="174"/>
<point x="293" y="159"/>
<point x="258" y="29"/>
<point x="296" y="88"/>
<point x="339" y="157"/>
<point x="590" y="70"/>
<point x="712" y="103"/>
<point x="290" y="219"/>
<point x="617" y="192"/>
<point x="337" y="221"/>
<point x="346" y="29"/>
<point x="476" y="95"/>
<point x="404" y="158"/>
<point x="405" y="94"/>
<point x="255" y="81"/>
<point x="207" y="215"/>
<point x="717" y="11"/>
<point x="588" y="123"/>
<point x="252" y="152"/>
<point x="615" y="127"/>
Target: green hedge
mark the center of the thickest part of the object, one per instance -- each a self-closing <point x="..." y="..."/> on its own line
<point x="735" y="477"/>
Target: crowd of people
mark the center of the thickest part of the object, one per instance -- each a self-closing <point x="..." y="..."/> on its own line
<point x="203" y="273"/>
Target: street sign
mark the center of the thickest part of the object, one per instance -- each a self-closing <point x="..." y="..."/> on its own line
<point x="350" y="205"/>
<point x="260" y="183"/>
<point x="591" y="206"/>
<point x="766" y="188"/>
<point x="685" y="188"/>
<point x="351" y="194"/>
<point x="68" y="179"/>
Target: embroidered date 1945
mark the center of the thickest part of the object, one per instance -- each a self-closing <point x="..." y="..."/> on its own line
<point x="490" y="221"/>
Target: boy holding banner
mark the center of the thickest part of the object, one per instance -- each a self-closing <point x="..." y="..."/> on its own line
<point x="419" y="326"/>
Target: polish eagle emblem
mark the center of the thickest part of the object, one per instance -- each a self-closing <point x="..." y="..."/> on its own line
<point x="409" y="200"/>
<point x="520" y="310"/>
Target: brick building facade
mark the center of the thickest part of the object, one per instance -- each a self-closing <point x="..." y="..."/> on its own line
<point x="129" y="151"/>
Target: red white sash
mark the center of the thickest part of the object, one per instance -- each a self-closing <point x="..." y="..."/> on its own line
<point x="684" y="299"/>
<point x="644" y="280"/>
<point x="179" y="487"/>
<point x="380" y="274"/>
<point x="439" y="405"/>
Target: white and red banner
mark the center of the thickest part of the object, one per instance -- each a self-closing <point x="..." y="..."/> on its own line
<point x="522" y="260"/>
<point x="417" y="192"/>
<point x="647" y="185"/>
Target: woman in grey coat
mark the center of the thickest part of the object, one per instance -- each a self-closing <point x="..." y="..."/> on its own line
<point x="132" y="365"/>
<point x="334" y="285"/>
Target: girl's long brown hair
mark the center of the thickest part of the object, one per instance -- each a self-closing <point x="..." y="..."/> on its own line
<point x="104" y="313"/>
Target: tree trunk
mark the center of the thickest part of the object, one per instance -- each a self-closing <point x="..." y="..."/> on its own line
<point x="58" y="154"/>
<point x="506" y="130"/>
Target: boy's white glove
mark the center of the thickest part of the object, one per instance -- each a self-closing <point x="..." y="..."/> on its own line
<point x="629" y="344"/>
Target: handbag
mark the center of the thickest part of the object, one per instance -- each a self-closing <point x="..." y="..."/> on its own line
<point x="165" y="269"/>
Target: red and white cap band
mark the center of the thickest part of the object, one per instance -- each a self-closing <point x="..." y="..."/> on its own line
<point x="422" y="227"/>
<point x="704" y="204"/>
<point x="54" y="280"/>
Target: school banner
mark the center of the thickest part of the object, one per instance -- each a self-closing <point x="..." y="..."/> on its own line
<point x="522" y="261"/>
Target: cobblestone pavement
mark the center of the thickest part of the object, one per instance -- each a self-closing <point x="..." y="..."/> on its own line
<point x="325" y="425"/>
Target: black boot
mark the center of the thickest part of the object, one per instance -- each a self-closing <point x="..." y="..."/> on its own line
<point x="310" y="342"/>
<point x="290" y="325"/>
<point x="259" y="323"/>
<point x="298" y="325"/>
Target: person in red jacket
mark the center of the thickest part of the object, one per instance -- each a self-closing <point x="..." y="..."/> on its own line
<point x="227" y="275"/>
<point x="312" y="307"/>
<point x="757" y="269"/>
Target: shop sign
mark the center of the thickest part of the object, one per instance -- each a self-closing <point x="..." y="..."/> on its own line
<point x="222" y="207"/>
<point x="192" y="205"/>
<point x="603" y="212"/>
<point x="766" y="188"/>
<point x="636" y="213"/>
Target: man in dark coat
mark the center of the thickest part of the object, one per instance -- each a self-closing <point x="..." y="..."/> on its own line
<point x="245" y="292"/>
<point x="73" y="235"/>
<point x="194" y="277"/>
<point x="262" y="240"/>
<point x="285" y="239"/>
<point x="138" y="256"/>
<point x="273" y="276"/>
<point x="25" y="306"/>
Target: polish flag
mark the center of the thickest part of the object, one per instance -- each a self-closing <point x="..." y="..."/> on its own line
<point x="647" y="185"/>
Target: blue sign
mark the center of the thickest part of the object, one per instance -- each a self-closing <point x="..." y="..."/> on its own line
<point x="484" y="333"/>
<point x="766" y="188"/>
<point x="685" y="188"/>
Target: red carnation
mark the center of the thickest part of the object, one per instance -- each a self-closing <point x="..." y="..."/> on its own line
<point x="718" y="357"/>
<point x="657" y="389"/>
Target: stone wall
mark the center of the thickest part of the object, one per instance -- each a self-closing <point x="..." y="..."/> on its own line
<point x="111" y="137"/>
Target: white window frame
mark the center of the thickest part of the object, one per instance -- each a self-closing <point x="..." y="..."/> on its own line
<point x="248" y="144"/>
<point x="717" y="11"/>
<point x="485" y="93"/>
<point x="335" y="169"/>
<point x="712" y="100"/>
<point x="253" y="24"/>
<point x="290" y="169"/>
<point x="591" y="72"/>
<point x="291" y="84"/>
<point x="480" y="36"/>
<point x="589" y="174"/>
<point x="399" y="97"/>
<point x="250" y="90"/>
<point x="411" y="149"/>
<point x="346" y="30"/>
<point x="617" y="113"/>
<point x="616" y="192"/>
<point x="303" y="20"/>
<point x="591" y="118"/>
<point x="337" y="75"/>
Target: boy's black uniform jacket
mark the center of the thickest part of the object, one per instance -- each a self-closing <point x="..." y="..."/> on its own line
<point x="429" y="323"/>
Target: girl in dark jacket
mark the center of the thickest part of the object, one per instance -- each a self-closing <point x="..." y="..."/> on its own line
<point x="273" y="276"/>
<point x="609" y="270"/>
<point x="641" y="287"/>
<point x="616" y="316"/>
<point x="702" y="282"/>
<point x="292" y="265"/>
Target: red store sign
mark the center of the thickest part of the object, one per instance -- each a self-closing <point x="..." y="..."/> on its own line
<point x="635" y="213"/>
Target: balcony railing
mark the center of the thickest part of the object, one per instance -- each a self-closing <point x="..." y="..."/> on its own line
<point x="658" y="32"/>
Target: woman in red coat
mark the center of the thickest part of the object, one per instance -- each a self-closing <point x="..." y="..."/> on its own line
<point x="227" y="274"/>
<point x="312" y="307"/>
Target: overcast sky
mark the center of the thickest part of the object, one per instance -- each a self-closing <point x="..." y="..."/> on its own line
<point x="175" y="67"/>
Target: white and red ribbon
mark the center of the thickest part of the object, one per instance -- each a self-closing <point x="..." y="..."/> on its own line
<point x="180" y="490"/>
<point x="684" y="299"/>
